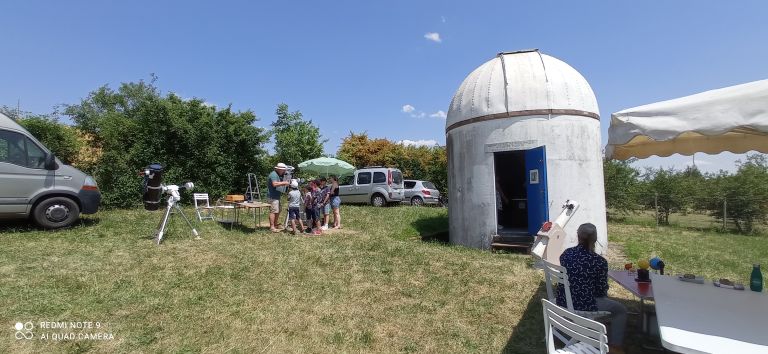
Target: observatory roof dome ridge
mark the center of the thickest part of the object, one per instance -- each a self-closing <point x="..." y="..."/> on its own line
<point x="521" y="83"/>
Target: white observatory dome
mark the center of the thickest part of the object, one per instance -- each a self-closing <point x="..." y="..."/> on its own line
<point x="523" y="139"/>
<point x="521" y="83"/>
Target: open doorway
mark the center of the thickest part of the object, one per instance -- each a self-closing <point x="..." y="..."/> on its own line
<point x="511" y="192"/>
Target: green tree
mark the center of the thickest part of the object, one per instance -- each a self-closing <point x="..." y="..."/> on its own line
<point x="416" y="162"/>
<point x="664" y="188"/>
<point x="60" y="138"/>
<point x="622" y="186"/>
<point x="745" y="194"/>
<point x="296" y="139"/>
<point x="13" y="112"/>
<point x="135" y="125"/>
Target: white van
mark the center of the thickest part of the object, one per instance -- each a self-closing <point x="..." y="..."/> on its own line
<point x="376" y="185"/>
<point x="35" y="184"/>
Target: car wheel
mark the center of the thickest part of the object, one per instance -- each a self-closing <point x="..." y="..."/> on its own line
<point x="56" y="212"/>
<point x="417" y="201"/>
<point x="378" y="200"/>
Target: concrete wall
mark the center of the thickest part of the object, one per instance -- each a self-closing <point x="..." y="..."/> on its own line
<point x="574" y="171"/>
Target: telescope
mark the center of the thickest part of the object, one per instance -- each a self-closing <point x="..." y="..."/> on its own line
<point x="153" y="193"/>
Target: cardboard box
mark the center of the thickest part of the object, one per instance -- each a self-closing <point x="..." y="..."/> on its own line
<point x="234" y="198"/>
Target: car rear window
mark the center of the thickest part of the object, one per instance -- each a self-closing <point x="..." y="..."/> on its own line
<point x="410" y="184"/>
<point x="379" y="177"/>
<point x="364" y="178"/>
<point x="428" y="185"/>
<point x="397" y="176"/>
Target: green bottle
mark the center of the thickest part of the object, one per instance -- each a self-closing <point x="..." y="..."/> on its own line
<point x="756" y="280"/>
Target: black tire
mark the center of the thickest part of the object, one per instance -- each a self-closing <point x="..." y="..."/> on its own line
<point x="417" y="201"/>
<point x="56" y="212"/>
<point x="378" y="200"/>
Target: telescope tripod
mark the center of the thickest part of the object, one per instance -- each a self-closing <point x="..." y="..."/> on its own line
<point x="173" y="199"/>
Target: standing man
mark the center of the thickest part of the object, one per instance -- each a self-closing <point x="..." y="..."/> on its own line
<point x="275" y="180"/>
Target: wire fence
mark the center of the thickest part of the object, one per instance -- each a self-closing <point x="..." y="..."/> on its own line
<point x="739" y="214"/>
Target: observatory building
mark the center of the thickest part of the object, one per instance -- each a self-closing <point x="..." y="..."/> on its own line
<point x="523" y="136"/>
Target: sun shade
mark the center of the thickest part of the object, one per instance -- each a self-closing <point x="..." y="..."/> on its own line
<point x="731" y="119"/>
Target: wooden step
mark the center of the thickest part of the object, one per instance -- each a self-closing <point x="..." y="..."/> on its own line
<point x="510" y="245"/>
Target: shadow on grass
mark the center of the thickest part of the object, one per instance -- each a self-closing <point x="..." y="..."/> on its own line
<point x="26" y="225"/>
<point x="432" y="229"/>
<point x="528" y="334"/>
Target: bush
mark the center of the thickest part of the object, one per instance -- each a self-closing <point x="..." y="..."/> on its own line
<point x="135" y="126"/>
<point x="60" y="138"/>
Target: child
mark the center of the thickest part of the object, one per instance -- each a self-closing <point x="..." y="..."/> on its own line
<point x="294" y="202"/>
<point x="308" y="210"/>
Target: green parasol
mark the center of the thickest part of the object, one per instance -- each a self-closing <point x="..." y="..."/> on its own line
<point x="326" y="166"/>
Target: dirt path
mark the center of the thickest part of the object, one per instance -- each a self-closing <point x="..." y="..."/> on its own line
<point x="616" y="257"/>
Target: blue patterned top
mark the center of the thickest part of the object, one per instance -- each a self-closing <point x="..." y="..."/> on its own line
<point x="587" y="275"/>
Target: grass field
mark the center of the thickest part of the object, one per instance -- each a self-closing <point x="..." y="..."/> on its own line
<point x="378" y="285"/>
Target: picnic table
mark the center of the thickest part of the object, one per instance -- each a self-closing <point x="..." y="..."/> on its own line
<point x="254" y="206"/>
<point x="236" y="206"/>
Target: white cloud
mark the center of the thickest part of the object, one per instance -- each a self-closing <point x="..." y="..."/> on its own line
<point x="408" y="108"/>
<point x="433" y="36"/>
<point x="421" y="142"/>
<point x="419" y="115"/>
<point x="442" y="18"/>
<point x="439" y="114"/>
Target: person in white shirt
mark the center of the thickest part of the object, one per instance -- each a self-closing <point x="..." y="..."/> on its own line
<point x="294" y="203"/>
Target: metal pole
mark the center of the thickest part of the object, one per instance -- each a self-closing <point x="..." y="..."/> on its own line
<point x="725" y="214"/>
<point x="656" y="205"/>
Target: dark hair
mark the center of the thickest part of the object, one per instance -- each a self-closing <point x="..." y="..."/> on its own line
<point x="334" y="178"/>
<point x="587" y="235"/>
<point x="322" y="179"/>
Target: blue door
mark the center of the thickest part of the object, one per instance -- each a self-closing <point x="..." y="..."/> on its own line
<point x="536" y="184"/>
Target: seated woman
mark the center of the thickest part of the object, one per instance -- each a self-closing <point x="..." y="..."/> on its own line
<point x="588" y="277"/>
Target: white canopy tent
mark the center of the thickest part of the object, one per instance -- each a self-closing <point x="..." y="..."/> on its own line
<point x="731" y="119"/>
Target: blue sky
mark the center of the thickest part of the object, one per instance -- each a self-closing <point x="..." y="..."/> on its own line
<point x="354" y="65"/>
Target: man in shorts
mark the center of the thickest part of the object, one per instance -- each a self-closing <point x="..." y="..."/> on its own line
<point x="274" y="181"/>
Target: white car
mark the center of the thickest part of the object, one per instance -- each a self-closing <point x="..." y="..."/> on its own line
<point x="421" y="192"/>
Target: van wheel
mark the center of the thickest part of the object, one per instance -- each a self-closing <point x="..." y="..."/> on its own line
<point x="378" y="200"/>
<point x="417" y="201"/>
<point x="56" y="212"/>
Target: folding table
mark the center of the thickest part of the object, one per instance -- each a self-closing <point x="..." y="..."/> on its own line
<point x="702" y="318"/>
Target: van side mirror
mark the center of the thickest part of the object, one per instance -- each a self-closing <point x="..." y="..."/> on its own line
<point x="50" y="162"/>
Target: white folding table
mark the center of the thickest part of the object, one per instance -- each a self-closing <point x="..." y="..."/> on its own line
<point x="702" y="318"/>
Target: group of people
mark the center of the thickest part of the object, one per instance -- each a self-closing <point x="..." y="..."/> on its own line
<point x="319" y="198"/>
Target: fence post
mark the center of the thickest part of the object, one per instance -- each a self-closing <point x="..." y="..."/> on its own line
<point x="656" y="205"/>
<point x="725" y="214"/>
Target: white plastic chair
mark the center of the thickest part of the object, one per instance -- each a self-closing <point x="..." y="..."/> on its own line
<point x="203" y="206"/>
<point x="555" y="274"/>
<point x="587" y="336"/>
